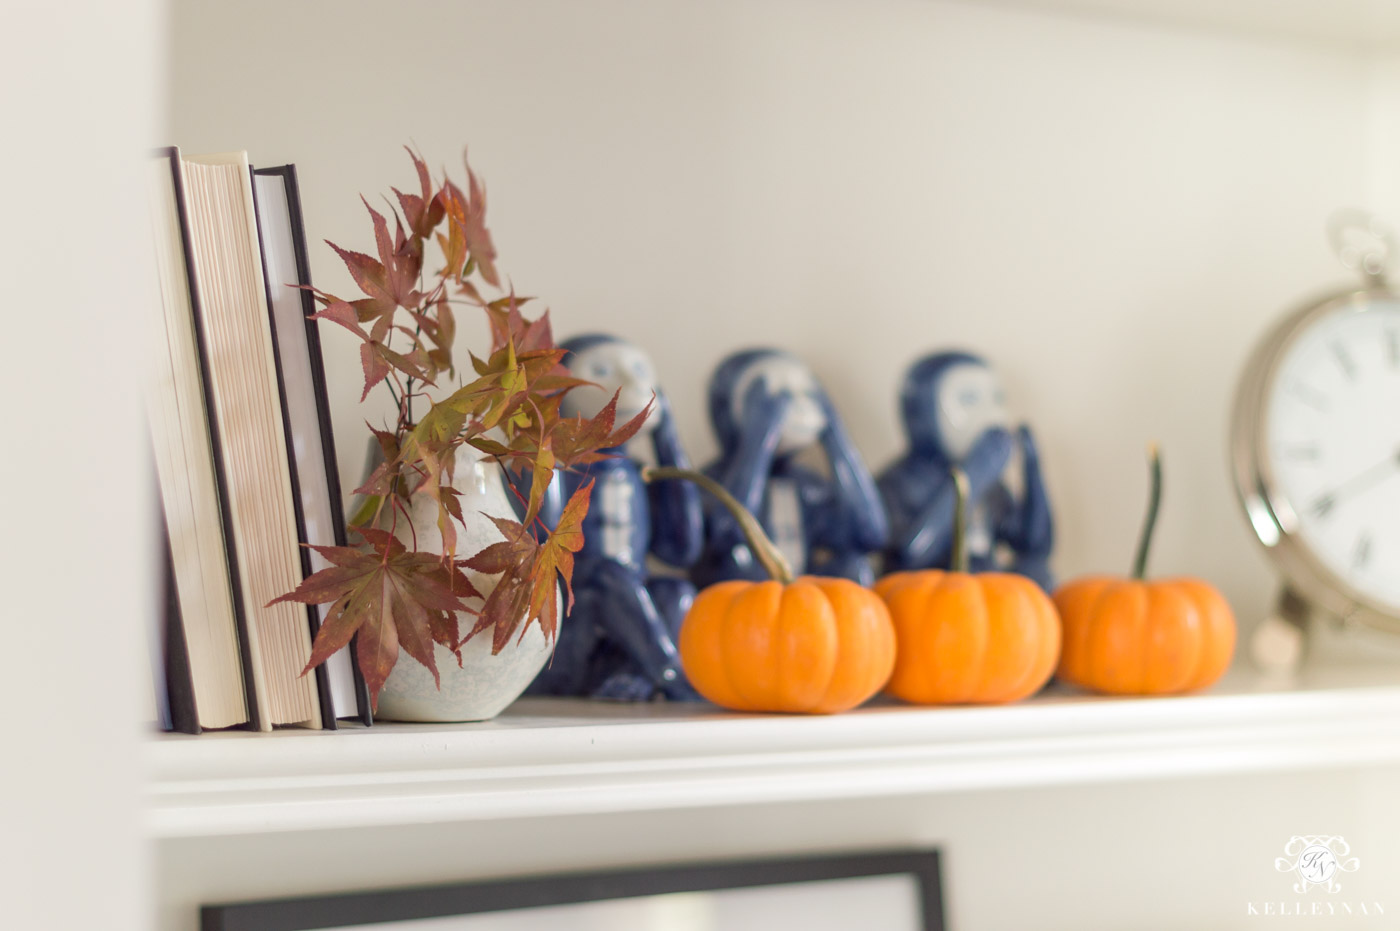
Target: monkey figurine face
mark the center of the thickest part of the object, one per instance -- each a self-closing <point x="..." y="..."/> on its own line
<point x="969" y="401"/>
<point x="781" y="374"/>
<point x="614" y="366"/>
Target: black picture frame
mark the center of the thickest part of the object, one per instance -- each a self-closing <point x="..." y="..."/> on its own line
<point x="348" y="910"/>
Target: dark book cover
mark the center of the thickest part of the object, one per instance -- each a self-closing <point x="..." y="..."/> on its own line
<point x="323" y="418"/>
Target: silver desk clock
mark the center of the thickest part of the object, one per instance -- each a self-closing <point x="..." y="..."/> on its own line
<point x="1316" y="451"/>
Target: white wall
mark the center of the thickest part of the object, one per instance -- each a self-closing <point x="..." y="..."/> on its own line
<point x="1111" y="212"/>
<point x="1383" y="141"/>
<point x="1347" y="24"/>
<point x="78" y="90"/>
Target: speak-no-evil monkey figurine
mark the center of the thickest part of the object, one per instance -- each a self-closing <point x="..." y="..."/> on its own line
<point x="955" y="413"/>
<point x="767" y="408"/>
<point x="619" y="641"/>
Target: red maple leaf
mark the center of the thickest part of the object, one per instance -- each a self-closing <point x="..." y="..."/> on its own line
<point x="391" y="597"/>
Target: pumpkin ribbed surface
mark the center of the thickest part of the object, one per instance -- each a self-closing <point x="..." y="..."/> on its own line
<point x="985" y="638"/>
<point x="817" y="645"/>
<point x="1130" y="637"/>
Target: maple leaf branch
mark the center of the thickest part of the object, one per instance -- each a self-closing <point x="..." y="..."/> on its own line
<point x="413" y="531"/>
<point x="417" y="330"/>
<point x="378" y="508"/>
<point x="397" y="402"/>
<point x="393" y="513"/>
<point x="524" y="503"/>
<point x="517" y="392"/>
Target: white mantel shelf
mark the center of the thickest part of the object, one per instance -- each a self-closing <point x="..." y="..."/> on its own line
<point x="561" y="757"/>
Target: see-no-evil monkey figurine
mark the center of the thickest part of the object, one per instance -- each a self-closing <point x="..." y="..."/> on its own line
<point x="766" y="408"/>
<point x="620" y="640"/>
<point x="955" y="414"/>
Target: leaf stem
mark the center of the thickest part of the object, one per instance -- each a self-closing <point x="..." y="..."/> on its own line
<point x="409" y="519"/>
<point x="1154" y="502"/>
<point x="417" y="328"/>
<point x="768" y="554"/>
<point x="960" y="561"/>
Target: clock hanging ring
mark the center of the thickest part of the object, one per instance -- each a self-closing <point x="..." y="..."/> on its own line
<point x="1315" y="441"/>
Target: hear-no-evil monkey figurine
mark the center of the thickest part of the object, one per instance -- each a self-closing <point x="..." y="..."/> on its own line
<point x="954" y="412"/>
<point x="619" y="641"/>
<point x="766" y="408"/>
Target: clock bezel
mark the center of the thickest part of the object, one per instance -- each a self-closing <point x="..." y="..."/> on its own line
<point x="1267" y="510"/>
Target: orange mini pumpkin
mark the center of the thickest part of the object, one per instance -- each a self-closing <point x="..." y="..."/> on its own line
<point x="964" y="638"/>
<point x="1135" y="637"/>
<point x="816" y="645"/>
<point x="813" y="645"/>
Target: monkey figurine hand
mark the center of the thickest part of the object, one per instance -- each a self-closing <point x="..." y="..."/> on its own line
<point x="955" y="414"/>
<point x="767" y="408"/>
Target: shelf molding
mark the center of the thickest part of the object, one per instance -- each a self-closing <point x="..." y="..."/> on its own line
<point x="559" y="757"/>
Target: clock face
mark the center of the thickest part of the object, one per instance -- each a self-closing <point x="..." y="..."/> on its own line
<point x="1332" y="446"/>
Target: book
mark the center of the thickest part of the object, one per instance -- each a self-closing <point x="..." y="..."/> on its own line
<point x="174" y="684"/>
<point x="240" y="375"/>
<point x="157" y="707"/>
<point x="190" y="473"/>
<point x="306" y="412"/>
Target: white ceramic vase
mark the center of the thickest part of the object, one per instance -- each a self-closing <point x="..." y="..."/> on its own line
<point x="484" y="684"/>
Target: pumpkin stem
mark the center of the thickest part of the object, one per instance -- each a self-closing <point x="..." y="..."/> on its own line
<point x="960" y="561"/>
<point x="766" y="551"/>
<point x="1154" y="501"/>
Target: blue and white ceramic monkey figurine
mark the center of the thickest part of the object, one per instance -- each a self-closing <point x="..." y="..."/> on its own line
<point x="620" y="640"/>
<point x="955" y="413"/>
<point x="766" y="408"/>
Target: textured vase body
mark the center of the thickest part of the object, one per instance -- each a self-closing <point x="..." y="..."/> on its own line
<point x="485" y="684"/>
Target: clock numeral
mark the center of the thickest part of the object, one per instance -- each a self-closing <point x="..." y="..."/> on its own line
<point x="1323" y="506"/>
<point x="1362" y="554"/>
<point x="1309" y="452"/>
<point x="1311" y="396"/>
<point x="1345" y="360"/>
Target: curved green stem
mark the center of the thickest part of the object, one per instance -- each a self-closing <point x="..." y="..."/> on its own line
<point x="764" y="548"/>
<point x="1154" y="501"/>
<point x="960" y="561"/>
